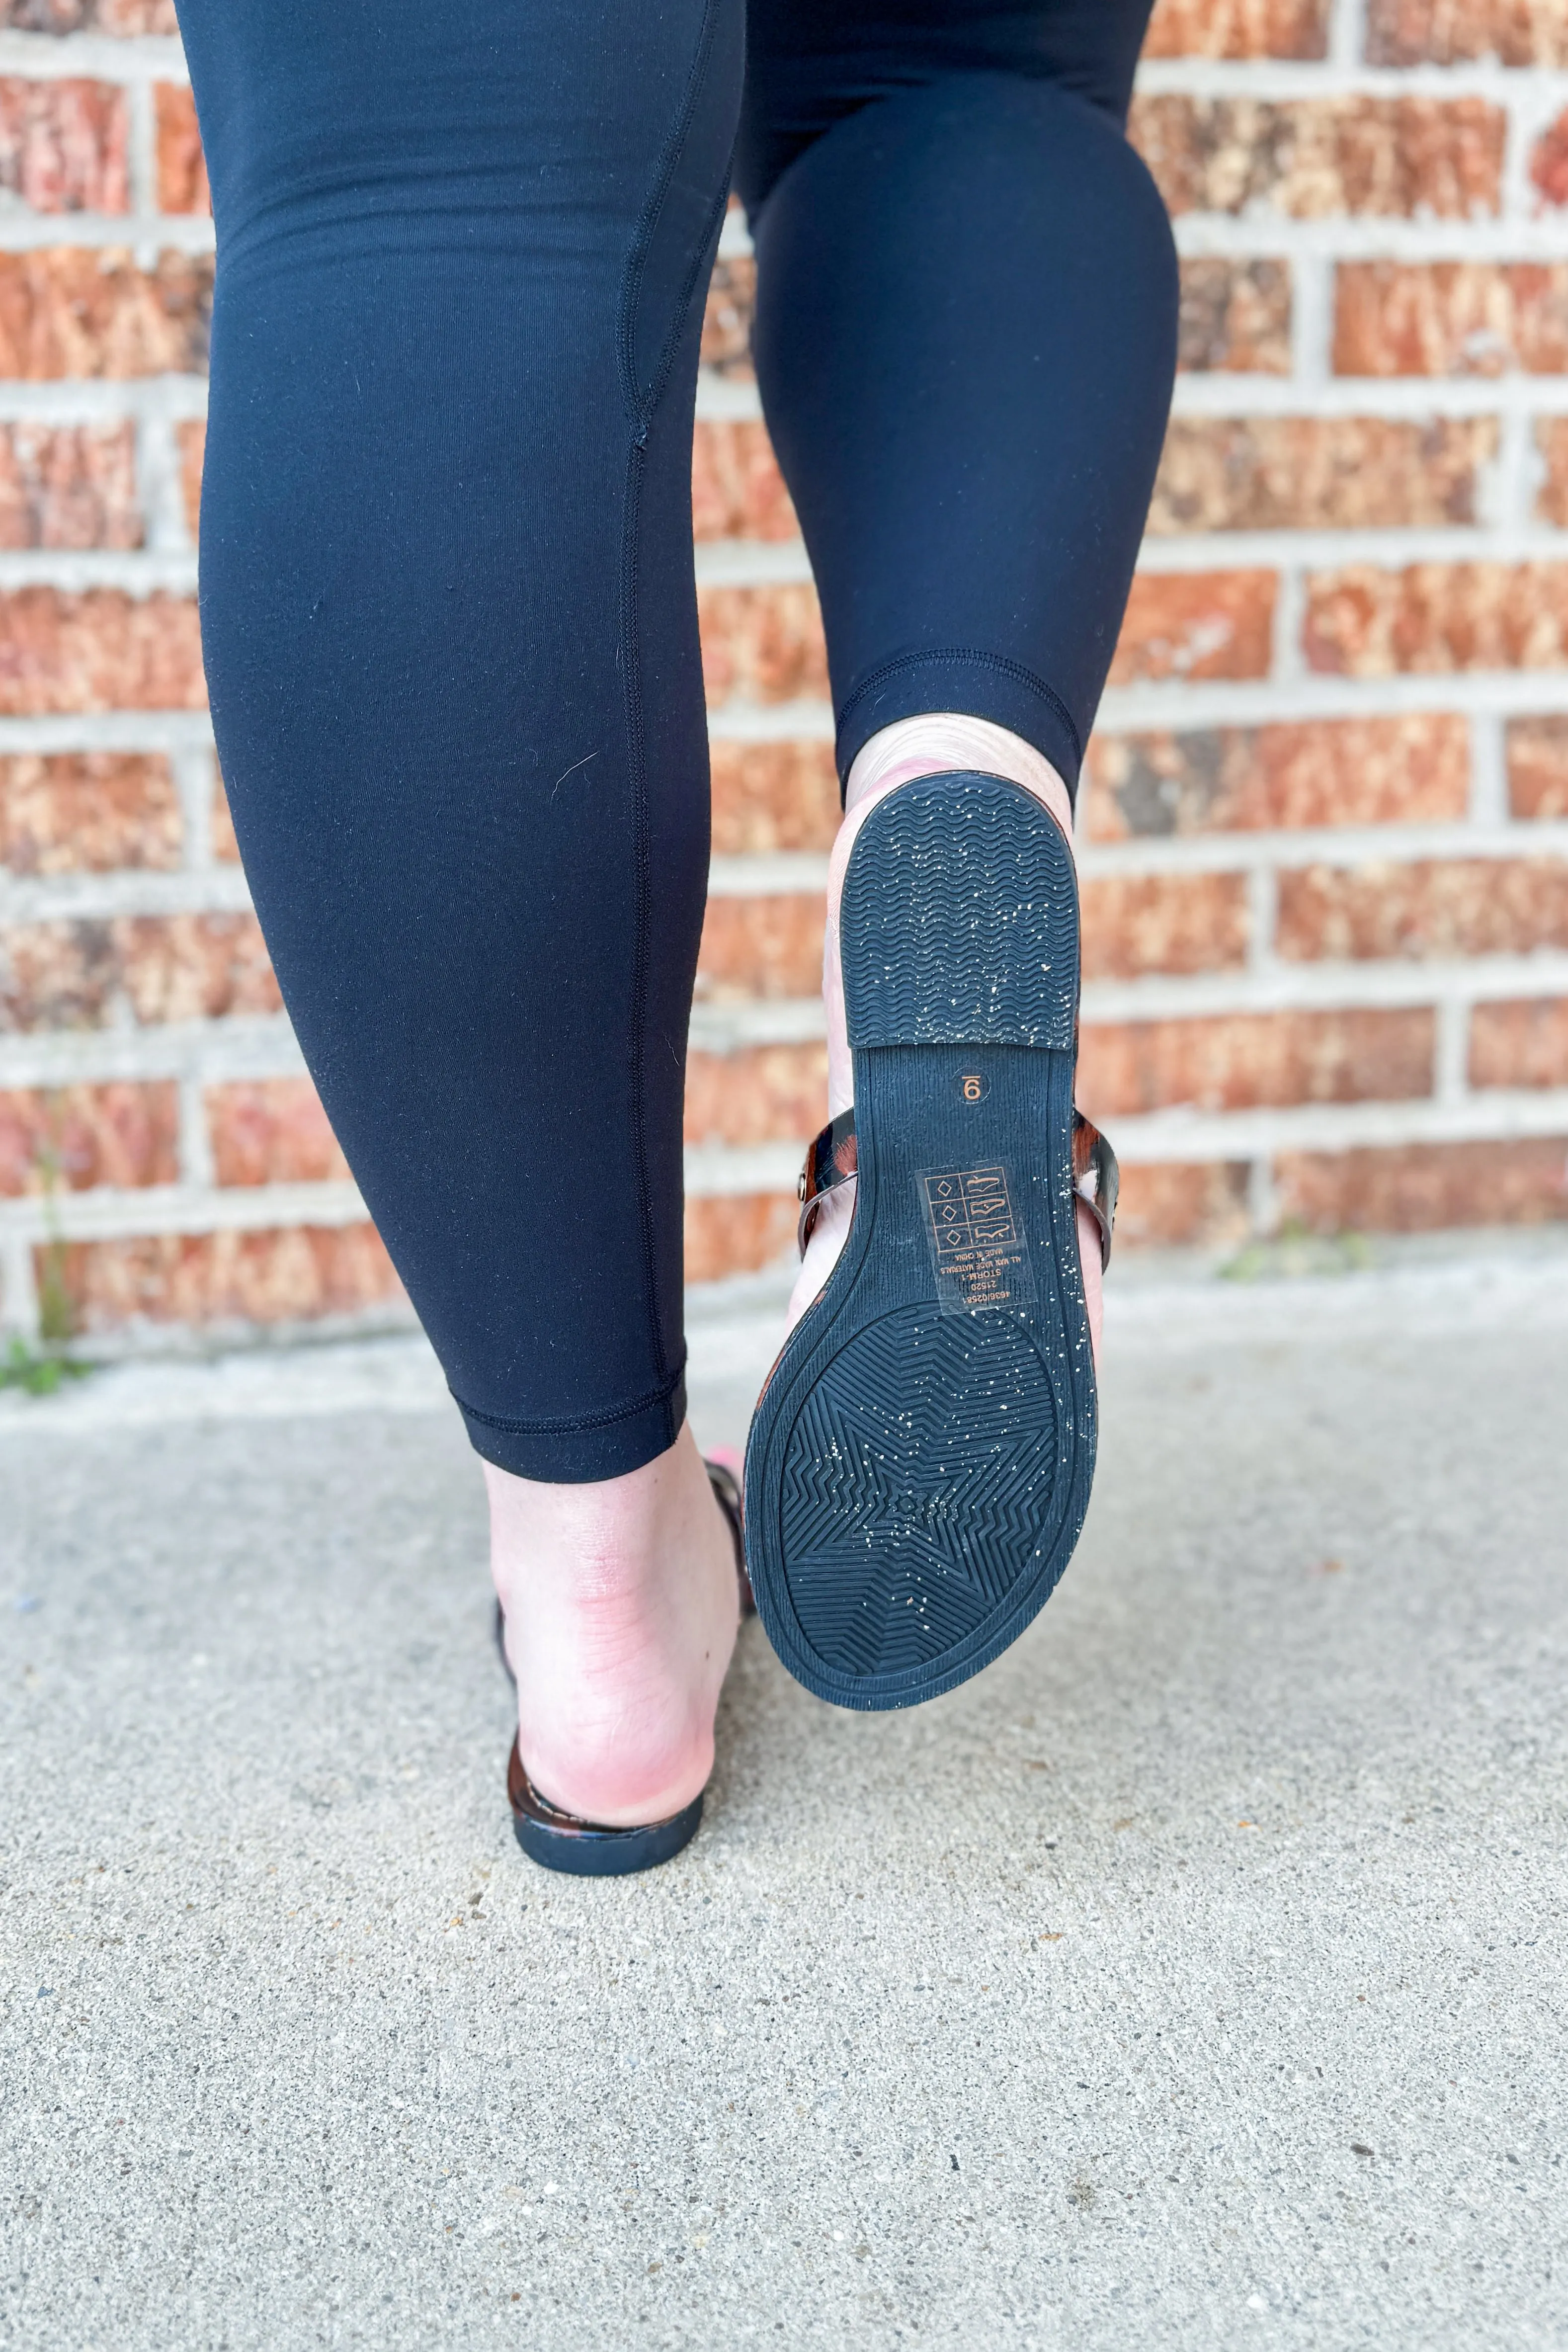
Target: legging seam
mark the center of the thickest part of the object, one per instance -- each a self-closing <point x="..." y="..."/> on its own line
<point x="704" y="253"/>
<point x="642" y="408"/>
<point x="632" y="694"/>
<point x="637" y="260"/>
<point x="566" y="1424"/>
<point x="999" y="662"/>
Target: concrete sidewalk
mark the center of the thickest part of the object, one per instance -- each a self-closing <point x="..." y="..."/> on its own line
<point x="1193" y="1979"/>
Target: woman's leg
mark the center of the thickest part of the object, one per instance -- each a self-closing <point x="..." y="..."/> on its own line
<point x="450" y="637"/>
<point x="965" y="340"/>
<point x="967" y="303"/>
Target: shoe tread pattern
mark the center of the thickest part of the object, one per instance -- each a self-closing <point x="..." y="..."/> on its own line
<point x="910" y="1501"/>
<point x="960" y="899"/>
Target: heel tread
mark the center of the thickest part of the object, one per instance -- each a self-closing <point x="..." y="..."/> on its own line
<point x="959" y="919"/>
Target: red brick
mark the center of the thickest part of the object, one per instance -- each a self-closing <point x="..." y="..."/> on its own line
<point x="1176" y="1203"/>
<point x="1423" y="1187"/>
<point x="1552" y="440"/>
<point x="59" y="976"/>
<point x="738" y="1233"/>
<point x="292" y="1275"/>
<point x="1323" y="473"/>
<point x="773" y="796"/>
<point x="1538" y="766"/>
<point x="1451" y="32"/>
<point x="727" y="323"/>
<point x="117" y="17"/>
<point x="1365" y="622"/>
<point x="1246" y="1061"/>
<point x="1239" y="28"/>
<point x="1522" y="1044"/>
<point x="146" y="968"/>
<point x="737" y="491"/>
<point x="195" y="967"/>
<point x="181" y="166"/>
<point x="191" y="437"/>
<point x="762" y="645"/>
<point x="225" y="848"/>
<point x="87" y="812"/>
<point x="70" y="310"/>
<point x="1450" y="317"/>
<point x="1407" y="770"/>
<point x="272" y="1131"/>
<point x="73" y="1138"/>
<point x="1235" y="316"/>
<point x="764" y="1094"/>
<point x="102" y="650"/>
<point x="1549" y="163"/>
<point x="1163" y="922"/>
<point x="126" y="17"/>
<point x="1316" y="157"/>
<point x="1192" y="624"/>
<point x="761" y="947"/>
<point x="68" y="486"/>
<point x="64" y="146"/>
<point x="1458" y="907"/>
<point x="766" y="643"/>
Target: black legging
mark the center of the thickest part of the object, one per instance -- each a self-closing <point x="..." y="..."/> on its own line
<point x="446" y="579"/>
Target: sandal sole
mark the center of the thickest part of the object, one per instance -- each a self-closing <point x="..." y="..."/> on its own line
<point x="921" y="1458"/>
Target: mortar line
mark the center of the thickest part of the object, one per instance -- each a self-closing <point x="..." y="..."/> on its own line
<point x="1451" y="1051"/>
<point x="1489" y="805"/>
<point x="1262" y="918"/>
<point x="18" y="1287"/>
<point x="142" y="144"/>
<point x="1311" y="325"/>
<point x="198" y="1169"/>
<point x="1262" y="1197"/>
<point x="1347" y="37"/>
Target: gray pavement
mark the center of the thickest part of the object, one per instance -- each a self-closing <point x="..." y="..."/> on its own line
<point x="1193" y="1979"/>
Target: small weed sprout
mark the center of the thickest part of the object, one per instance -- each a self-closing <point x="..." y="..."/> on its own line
<point x="42" y="1369"/>
<point x="1295" y="1250"/>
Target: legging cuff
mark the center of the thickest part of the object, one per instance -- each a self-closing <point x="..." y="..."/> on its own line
<point x="574" y="1454"/>
<point x="980" y="685"/>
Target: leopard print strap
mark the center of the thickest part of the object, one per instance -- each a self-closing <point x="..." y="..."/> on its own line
<point x="1096" y="1178"/>
<point x="831" y="1162"/>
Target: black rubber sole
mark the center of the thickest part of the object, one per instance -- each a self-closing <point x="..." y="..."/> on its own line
<point x="557" y="1841"/>
<point x="920" y="1461"/>
<point x="598" y="1855"/>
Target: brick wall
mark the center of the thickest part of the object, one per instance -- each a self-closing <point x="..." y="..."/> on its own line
<point x="1325" y="839"/>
